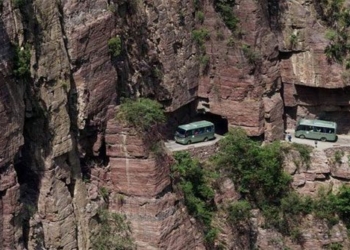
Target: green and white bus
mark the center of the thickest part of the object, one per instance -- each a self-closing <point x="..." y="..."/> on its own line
<point x="316" y="129"/>
<point x="195" y="132"/>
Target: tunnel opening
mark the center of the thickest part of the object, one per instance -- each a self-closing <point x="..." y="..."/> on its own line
<point x="220" y="122"/>
<point x="324" y="104"/>
<point x="190" y="113"/>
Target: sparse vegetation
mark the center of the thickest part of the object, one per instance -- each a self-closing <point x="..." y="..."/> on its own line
<point x="293" y="40"/>
<point x="114" y="232"/>
<point x="258" y="175"/>
<point x="304" y="152"/>
<point x="220" y="35"/>
<point x="200" y="16"/>
<point x="104" y="193"/>
<point x="158" y="73"/>
<point x="112" y="7"/>
<point x="225" y="8"/>
<point x="335" y="246"/>
<point x="194" y="181"/>
<point x="338" y="155"/>
<point x="142" y="113"/>
<point x="250" y="54"/>
<point x="239" y="211"/>
<point x="200" y="36"/>
<point x="256" y="171"/>
<point x="22" y="62"/>
<point x="336" y="16"/>
<point x="115" y="46"/>
<point x="231" y="42"/>
<point x="204" y="60"/>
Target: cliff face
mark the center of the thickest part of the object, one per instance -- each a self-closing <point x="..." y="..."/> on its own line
<point x="60" y="143"/>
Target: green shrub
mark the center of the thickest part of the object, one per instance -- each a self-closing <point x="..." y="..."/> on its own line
<point x="250" y="54"/>
<point x="220" y="35"/>
<point x="337" y="17"/>
<point x="331" y="35"/>
<point x="293" y="204"/>
<point x="158" y="73"/>
<point x="115" y="46"/>
<point x="335" y="246"/>
<point x="194" y="183"/>
<point x="112" y="8"/>
<point x="141" y="113"/>
<point x="22" y="62"/>
<point x="239" y="211"/>
<point x="204" y="60"/>
<point x="293" y="40"/>
<point x="304" y="152"/>
<point x="296" y="235"/>
<point x="231" y="42"/>
<point x="200" y="16"/>
<point x="324" y="207"/>
<point x="342" y="204"/>
<point x="114" y="232"/>
<point x="104" y="193"/>
<point x="338" y="155"/>
<point x="256" y="171"/>
<point x="199" y="36"/>
<point x="224" y="7"/>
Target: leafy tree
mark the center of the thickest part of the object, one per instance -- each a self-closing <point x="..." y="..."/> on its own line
<point x="225" y="8"/>
<point x="342" y="204"/>
<point x="200" y="36"/>
<point x="114" y="233"/>
<point x="115" y="46"/>
<point x="239" y="211"/>
<point x="22" y="62"/>
<point x="256" y="171"/>
<point x="142" y="113"/>
<point x="193" y="180"/>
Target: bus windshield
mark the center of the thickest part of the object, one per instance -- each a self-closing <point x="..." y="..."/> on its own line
<point x="180" y="132"/>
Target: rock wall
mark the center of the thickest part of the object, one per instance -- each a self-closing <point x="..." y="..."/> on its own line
<point x="243" y="80"/>
<point x="141" y="189"/>
<point x="315" y="85"/>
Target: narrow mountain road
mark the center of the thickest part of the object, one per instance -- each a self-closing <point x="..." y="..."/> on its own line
<point x="343" y="140"/>
<point x="173" y="146"/>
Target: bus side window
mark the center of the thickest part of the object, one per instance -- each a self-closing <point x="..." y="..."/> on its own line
<point x="196" y="132"/>
<point x="201" y="130"/>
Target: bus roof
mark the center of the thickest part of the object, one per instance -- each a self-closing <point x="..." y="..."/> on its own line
<point x="194" y="125"/>
<point x="319" y="123"/>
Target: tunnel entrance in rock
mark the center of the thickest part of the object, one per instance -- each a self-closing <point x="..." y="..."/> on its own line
<point x="324" y="104"/>
<point x="220" y="122"/>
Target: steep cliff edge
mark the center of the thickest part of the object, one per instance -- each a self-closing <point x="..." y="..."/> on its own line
<point x="61" y="80"/>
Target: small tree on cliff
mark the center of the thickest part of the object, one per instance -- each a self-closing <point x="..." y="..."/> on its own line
<point x="142" y="113"/>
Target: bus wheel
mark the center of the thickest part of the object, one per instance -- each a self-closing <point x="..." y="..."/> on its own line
<point x="206" y="139"/>
<point x="302" y="136"/>
<point x="323" y="139"/>
<point x="189" y="142"/>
